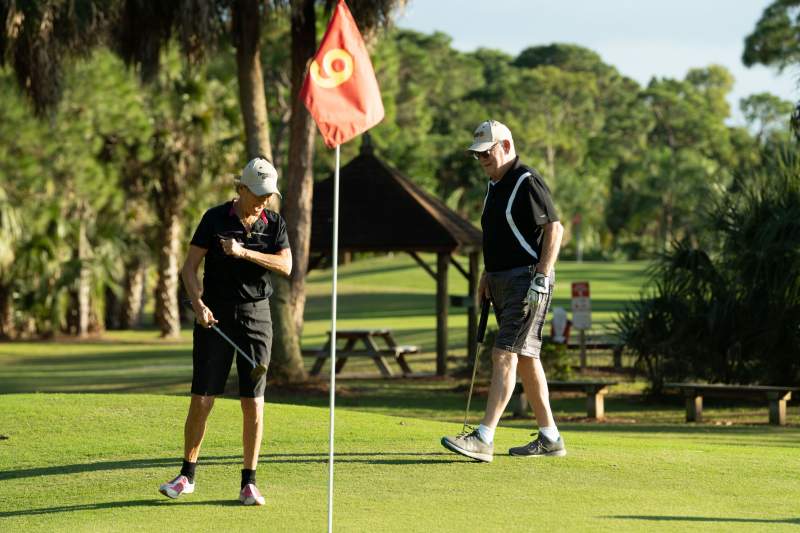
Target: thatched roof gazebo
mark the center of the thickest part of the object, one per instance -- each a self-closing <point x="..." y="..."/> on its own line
<point x="381" y="210"/>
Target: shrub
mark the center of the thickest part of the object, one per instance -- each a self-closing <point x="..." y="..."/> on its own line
<point x="730" y="311"/>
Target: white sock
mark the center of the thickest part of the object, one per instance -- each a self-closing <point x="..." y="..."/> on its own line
<point x="486" y="434"/>
<point x="549" y="432"/>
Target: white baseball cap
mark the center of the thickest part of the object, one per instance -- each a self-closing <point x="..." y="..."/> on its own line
<point x="487" y="134"/>
<point x="260" y="177"/>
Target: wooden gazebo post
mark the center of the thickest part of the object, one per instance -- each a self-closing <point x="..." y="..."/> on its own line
<point x="442" y="303"/>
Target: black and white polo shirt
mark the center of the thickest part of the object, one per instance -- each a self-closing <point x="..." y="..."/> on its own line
<point x="514" y="211"/>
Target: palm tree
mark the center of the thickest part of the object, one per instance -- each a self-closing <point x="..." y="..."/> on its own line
<point x="10" y="233"/>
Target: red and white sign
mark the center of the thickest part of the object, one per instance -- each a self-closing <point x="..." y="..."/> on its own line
<point x="581" y="305"/>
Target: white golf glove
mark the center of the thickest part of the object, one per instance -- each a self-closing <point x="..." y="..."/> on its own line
<point x="538" y="291"/>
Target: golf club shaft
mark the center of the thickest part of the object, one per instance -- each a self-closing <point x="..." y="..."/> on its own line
<point x="483" y="320"/>
<point x="235" y="347"/>
<point x="478" y="339"/>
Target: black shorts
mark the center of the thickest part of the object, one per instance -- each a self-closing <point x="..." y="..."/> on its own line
<point x="519" y="330"/>
<point x="249" y="325"/>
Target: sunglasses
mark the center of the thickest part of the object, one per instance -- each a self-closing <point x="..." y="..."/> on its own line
<point x="485" y="153"/>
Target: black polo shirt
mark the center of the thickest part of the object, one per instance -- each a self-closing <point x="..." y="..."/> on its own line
<point x="227" y="279"/>
<point x="514" y="211"/>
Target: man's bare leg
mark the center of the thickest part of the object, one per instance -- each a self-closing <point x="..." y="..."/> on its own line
<point x="548" y="442"/>
<point x="479" y="445"/>
<point x="504" y="373"/>
<point x="534" y="383"/>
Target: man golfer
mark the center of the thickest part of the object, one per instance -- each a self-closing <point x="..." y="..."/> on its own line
<point x="242" y="242"/>
<point x="521" y="239"/>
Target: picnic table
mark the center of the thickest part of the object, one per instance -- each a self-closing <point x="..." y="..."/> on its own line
<point x="373" y="343"/>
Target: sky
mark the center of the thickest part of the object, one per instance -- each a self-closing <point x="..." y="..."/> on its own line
<point x="641" y="38"/>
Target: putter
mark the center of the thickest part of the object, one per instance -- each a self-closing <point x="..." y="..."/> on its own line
<point x="478" y="340"/>
<point x="258" y="369"/>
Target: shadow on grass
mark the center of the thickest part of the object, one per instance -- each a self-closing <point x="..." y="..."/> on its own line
<point x="378" y="458"/>
<point x="102" y="360"/>
<point x="105" y="465"/>
<point x="90" y="507"/>
<point x="792" y="521"/>
<point x="106" y="384"/>
<point x="366" y="458"/>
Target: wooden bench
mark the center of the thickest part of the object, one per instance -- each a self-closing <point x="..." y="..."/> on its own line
<point x="694" y="393"/>
<point x="367" y="338"/>
<point x="595" y="393"/>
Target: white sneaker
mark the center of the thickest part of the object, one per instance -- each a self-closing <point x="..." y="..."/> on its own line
<point x="249" y="495"/>
<point x="176" y="487"/>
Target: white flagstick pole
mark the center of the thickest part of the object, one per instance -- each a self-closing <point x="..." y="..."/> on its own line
<point x="334" y="263"/>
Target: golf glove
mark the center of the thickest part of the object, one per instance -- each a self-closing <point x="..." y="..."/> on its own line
<point x="538" y="291"/>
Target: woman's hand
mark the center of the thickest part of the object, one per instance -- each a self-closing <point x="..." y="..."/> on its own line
<point x="232" y="247"/>
<point x="203" y="314"/>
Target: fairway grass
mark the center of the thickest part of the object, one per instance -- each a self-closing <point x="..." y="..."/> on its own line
<point x="93" y="462"/>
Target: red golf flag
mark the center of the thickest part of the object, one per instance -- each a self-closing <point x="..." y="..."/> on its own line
<point x="340" y="89"/>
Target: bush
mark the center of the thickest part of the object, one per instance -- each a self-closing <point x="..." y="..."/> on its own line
<point x="729" y="312"/>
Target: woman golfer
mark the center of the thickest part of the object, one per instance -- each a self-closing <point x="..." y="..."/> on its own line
<point x="242" y="243"/>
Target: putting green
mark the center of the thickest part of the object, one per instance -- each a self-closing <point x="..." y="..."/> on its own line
<point x="93" y="462"/>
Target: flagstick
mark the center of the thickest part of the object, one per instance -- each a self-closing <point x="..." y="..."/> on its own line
<point x="334" y="263"/>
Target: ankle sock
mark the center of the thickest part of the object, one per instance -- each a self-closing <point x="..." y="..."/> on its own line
<point x="248" y="476"/>
<point x="188" y="470"/>
<point x="549" y="432"/>
<point x="486" y="433"/>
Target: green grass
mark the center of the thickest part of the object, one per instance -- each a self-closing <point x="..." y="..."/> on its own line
<point x="83" y="462"/>
<point x="74" y="461"/>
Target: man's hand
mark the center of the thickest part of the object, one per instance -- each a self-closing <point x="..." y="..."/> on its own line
<point x="483" y="289"/>
<point x="203" y="314"/>
<point x="538" y="291"/>
<point x="232" y="247"/>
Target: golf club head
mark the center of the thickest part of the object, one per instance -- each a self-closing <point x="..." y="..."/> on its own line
<point x="257" y="372"/>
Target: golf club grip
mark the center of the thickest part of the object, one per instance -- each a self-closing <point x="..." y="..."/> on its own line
<point x="484" y="319"/>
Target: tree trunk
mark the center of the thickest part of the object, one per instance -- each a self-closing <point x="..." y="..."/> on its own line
<point x="84" y="277"/>
<point x="112" y="307"/>
<point x="170" y="205"/>
<point x="287" y="359"/>
<point x="97" y="318"/>
<point x="300" y="184"/>
<point x="135" y="278"/>
<point x="247" y="37"/>
<point x="7" y="328"/>
<point x="287" y="363"/>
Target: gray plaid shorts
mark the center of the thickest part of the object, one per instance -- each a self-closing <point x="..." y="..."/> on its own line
<point x="519" y="330"/>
